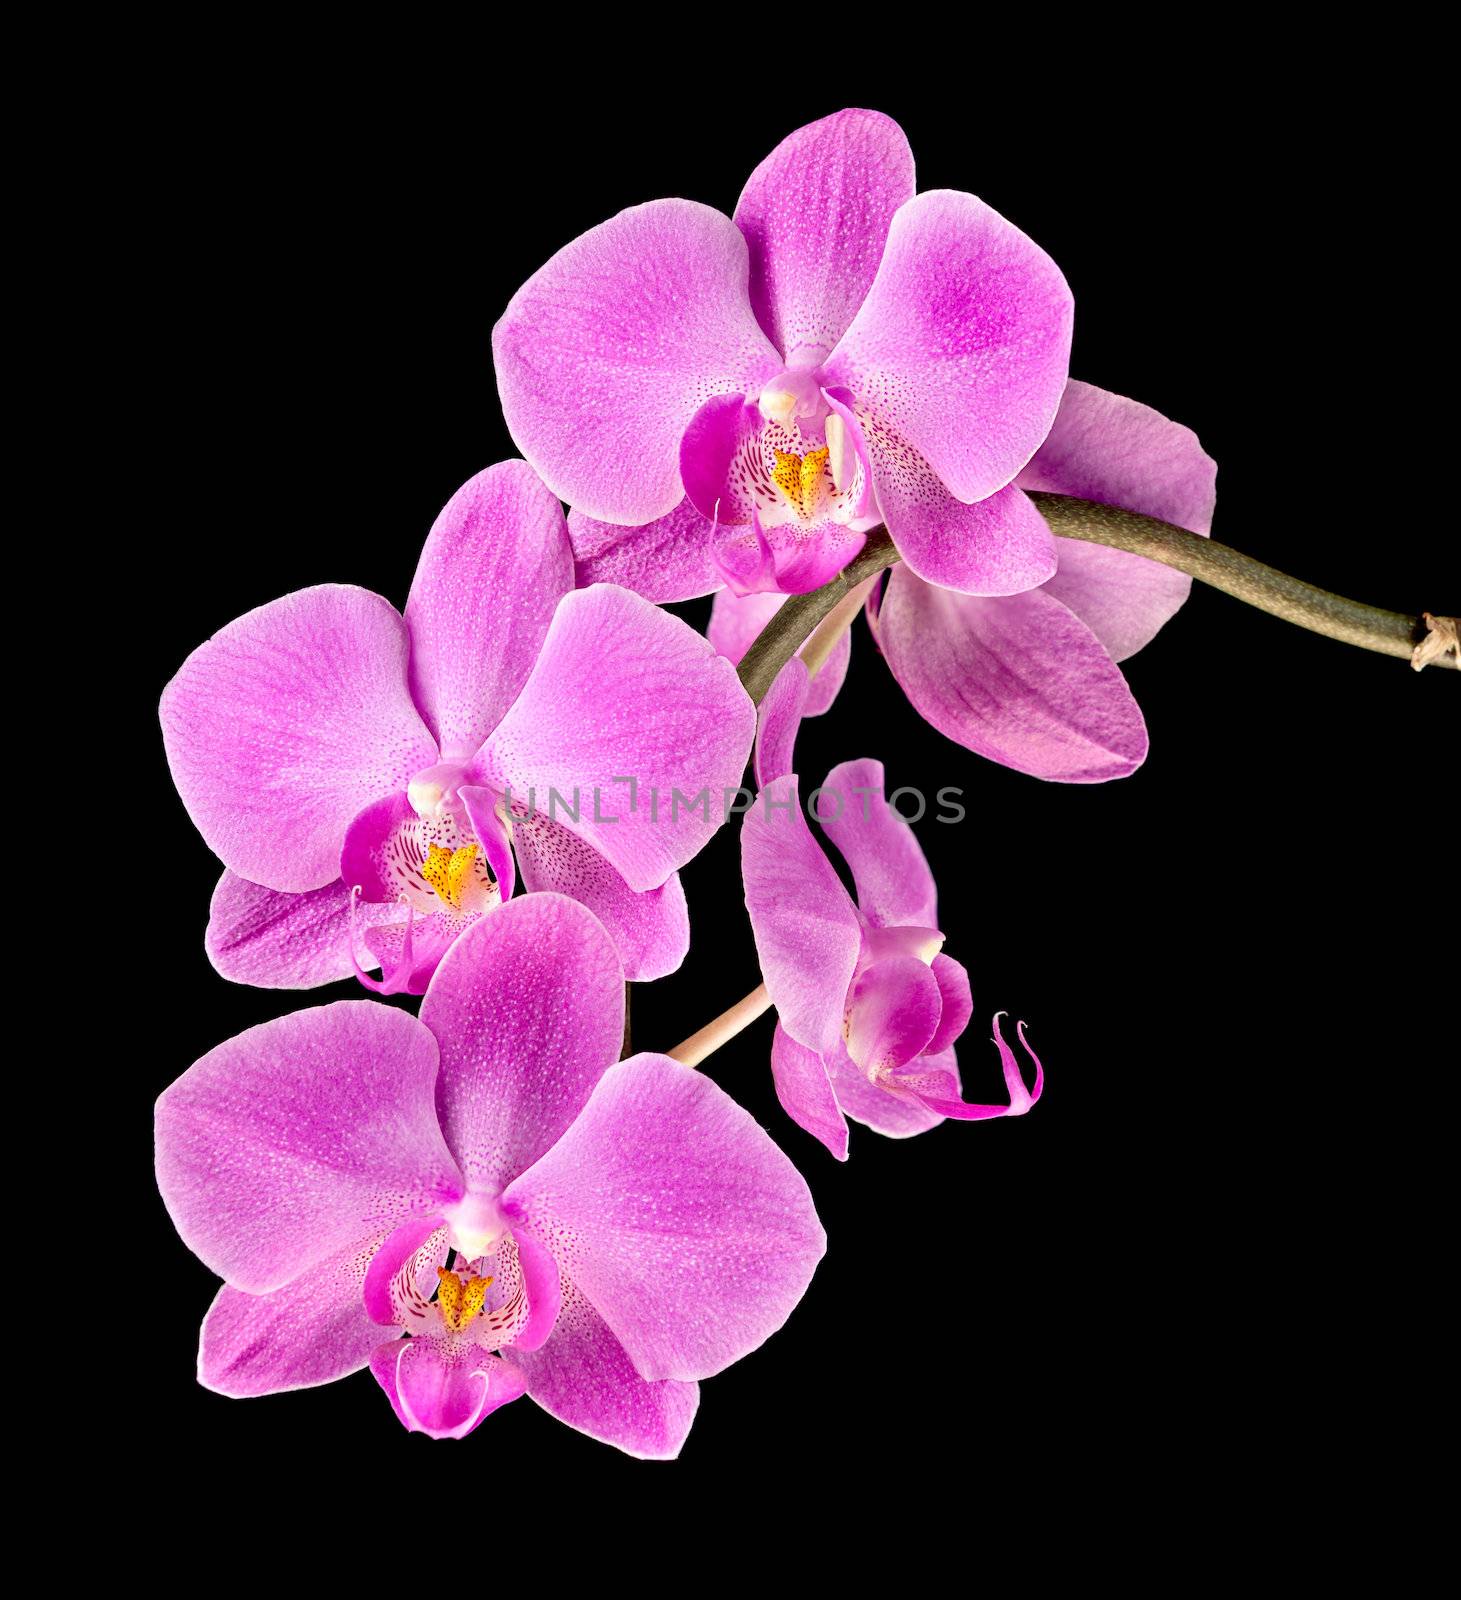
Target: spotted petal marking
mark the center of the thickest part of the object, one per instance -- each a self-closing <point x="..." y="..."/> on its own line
<point x="411" y="1309"/>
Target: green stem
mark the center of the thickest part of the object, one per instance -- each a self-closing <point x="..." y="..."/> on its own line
<point x="1391" y="633"/>
<point x="793" y="624"/>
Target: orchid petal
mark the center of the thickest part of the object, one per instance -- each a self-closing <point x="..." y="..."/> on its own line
<point x="893" y="1014"/>
<point x="958" y="1003"/>
<point x="684" y="1226"/>
<point x="664" y="560"/>
<point x="493" y="834"/>
<point x="584" y="1377"/>
<point x="380" y="861"/>
<point x="1123" y="599"/>
<point x="287" y="1143"/>
<point x="276" y="940"/>
<point x="805" y="925"/>
<point x="816" y="214"/>
<point x="367" y="863"/>
<point x="378" y="1290"/>
<point x="962" y="344"/>
<point x="1021" y="1098"/>
<point x="743" y="558"/>
<point x="409" y="951"/>
<point x="778" y="719"/>
<point x="311" y="1331"/>
<point x="893" y="1116"/>
<point x="894" y="883"/>
<point x="789" y="558"/>
<point x="1001" y="545"/>
<point x="626" y="707"/>
<point x="720" y="460"/>
<point x="543" y="1288"/>
<point x="761" y="542"/>
<point x="931" y="1083"/>
<point x="904" y="939"/>
<point x="1119" y="452"/>
<point x="495" y="564"/>
<point x="285" y="723"/>
<point x="806" y="1093"/>
<point x="528" y="1009"/>
<point x="650" y="928"/>
<point x="606" y="352"/>
<point x="1019" y="679"/>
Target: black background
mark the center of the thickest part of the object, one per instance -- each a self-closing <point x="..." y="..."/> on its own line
<point x="1230" y="963"/>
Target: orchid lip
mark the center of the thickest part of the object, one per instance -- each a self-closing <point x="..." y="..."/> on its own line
<point x="420" y="851"/>
<point x="414" y="1424"/>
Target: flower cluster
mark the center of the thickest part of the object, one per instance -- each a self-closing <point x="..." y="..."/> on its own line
<point x="486" y="799"/>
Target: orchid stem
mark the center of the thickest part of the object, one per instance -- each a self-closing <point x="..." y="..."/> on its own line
<point x="725" y="1027"/>
<point x="796" y="621"/>
<point x="1391" y="633"/>
<point x="824" y="615"/>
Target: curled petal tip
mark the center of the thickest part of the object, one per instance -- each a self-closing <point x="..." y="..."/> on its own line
<point x="1021" y="1098"/>
<point x="1039" y="1088"/>
<point x="386" y="983"/>
<point x="360" y="972"/>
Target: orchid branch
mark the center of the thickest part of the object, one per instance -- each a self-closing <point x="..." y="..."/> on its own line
<point x="796" y="621"/>
<point x="723" y="1029"/>
<point x="826" y="613"/>
<point x="1391" y="633"/>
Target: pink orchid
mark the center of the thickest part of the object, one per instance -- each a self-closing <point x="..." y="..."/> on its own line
<point x="1031" y="680"/>
<point x="326" y="746"/>
<point x="869" y="1008"/>
<point x="841" y="353"/>
<point x="620" y="1230"/>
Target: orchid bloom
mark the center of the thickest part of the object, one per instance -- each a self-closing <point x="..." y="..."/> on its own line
<point x="488" y="1181"/>
<point x="868" y="1006"/>
<point x="330" y="750"/>
<point x="1031" y="680"/>
<point x="841" y="353"/>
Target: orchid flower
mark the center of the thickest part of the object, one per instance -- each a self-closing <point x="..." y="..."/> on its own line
<point x="331" y="751"/>
<point x="869" y="1008"/>
<point x="1031" y="680"/>
<point x="841" y="353"/>
<point x="488" y="1182"/>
